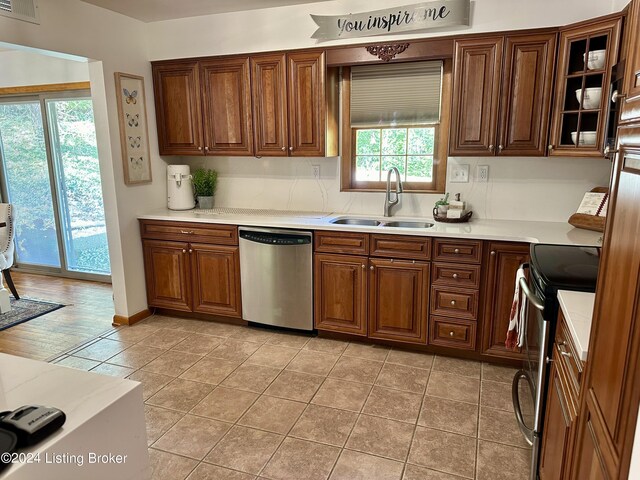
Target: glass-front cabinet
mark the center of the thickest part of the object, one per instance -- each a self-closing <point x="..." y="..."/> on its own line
<point x="586" y="56"/>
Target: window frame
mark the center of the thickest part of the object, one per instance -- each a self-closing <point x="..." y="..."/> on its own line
<point x="348" y="182"/>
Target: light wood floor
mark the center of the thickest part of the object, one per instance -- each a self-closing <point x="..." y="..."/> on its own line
<point x="87" y="314"/>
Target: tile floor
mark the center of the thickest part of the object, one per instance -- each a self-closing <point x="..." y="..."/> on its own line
<point x="233" y="403"/>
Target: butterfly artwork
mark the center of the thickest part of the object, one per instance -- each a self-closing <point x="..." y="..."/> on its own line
<point x="133" y="120"/>
<point x="137" y="163"/>
<point x="130" y="97"/>
<point x="134" y="142"/>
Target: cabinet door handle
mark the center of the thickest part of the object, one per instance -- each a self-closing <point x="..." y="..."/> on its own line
<point x="200" y="148"/>
<point x="451" y="334"/>
<point x="491" y="148"/>
<point x="615" y="96"/>
<point x="190" y="250"/>
<point x="456" y="250"/>
<point x="453" y="303"/>
<point x="186" y="232"/>
<point x="550" y="148"/>
<point x="184" y="250"/>
<point x="500" y="147"/>
<point x="363" y="265"/>
<point x="291" y="149"/>
<point x="371" y="267"/>
<point x="284" y="149"/>
<point x="455" y="276"/>
<point x="493" y="253"/>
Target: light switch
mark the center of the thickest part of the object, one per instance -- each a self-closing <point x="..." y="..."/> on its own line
<point x="459" y="173"/>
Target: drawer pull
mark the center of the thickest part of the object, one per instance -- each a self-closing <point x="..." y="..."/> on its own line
<point x="561" y="349"/>
<point x="190" y="250"/>
<point x="456" y="250"/>
<point x="453" y="302"/>
<point x="187" y="232"/>
<point x="363" y="266"/>
<point x="371" y="267"/>
<point x="455" y="276"/>
<point x="566" y="354"/>
<point x="451" y="333"/>
<point x="493" y="253"/>
<point x="184" y="250"/>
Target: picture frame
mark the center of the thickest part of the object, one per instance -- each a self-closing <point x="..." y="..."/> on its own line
<point x="134" y="133"/>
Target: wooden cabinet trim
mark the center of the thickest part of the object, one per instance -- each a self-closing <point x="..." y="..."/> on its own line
<point x="343" y="242"/>
<point x="400" y="246"/>
<point x="189" y="232"/>
<point x="454" y="250"/>
<point x="456" y="275"/>
<point x="452" y="332"/>
<point x="454" y="302"/>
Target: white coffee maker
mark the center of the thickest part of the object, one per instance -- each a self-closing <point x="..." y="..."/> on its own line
<point x="179" y="188"/>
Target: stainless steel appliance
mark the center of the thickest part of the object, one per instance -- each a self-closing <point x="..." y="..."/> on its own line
<point x="277" y="277"/>
<point x="552" y="268"/>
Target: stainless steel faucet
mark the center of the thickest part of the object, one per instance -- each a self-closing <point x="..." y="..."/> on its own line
<point x="388" y="202"/>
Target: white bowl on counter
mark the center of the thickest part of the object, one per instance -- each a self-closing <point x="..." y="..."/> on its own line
<point x="596" y="60"/>
<point x="592" y="97"/>
<point x="586" y="138"/>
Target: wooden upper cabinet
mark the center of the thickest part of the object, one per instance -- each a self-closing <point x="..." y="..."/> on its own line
<point x="307" y="113"/>
<point x="631" y="104"/>
<point x="526" y="94"/>
<point x="269" y="91"/>
<point x="226" y="98"/>
<point x="178" y="114"/>
<point x="476" y="90"/>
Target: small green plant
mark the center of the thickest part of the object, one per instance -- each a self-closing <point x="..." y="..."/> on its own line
<point x="204" y="182"/>
<point x="443" y="201"/>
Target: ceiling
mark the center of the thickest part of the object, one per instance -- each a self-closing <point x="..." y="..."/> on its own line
<point x="158" y="10"/>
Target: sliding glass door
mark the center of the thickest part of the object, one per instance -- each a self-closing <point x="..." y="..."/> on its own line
<point x="50" y="173"/>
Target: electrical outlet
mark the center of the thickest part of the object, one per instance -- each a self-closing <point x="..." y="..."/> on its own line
<point x="459" y="173"/>
<point x="482" y="173"/>
<point x="316" y="171"/>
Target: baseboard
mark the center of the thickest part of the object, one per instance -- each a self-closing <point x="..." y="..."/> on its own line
<point x="122" y="320"/>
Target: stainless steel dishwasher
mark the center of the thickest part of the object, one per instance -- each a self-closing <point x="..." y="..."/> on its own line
<point x="277" y="277"/>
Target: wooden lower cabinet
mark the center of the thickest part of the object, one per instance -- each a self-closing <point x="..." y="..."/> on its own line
<point x="167" y="272"/>
<point x="398" y="300"/>
<point x="502" y="261"/>
<point x="215" y="279"/>
<point x="341" y="293"/>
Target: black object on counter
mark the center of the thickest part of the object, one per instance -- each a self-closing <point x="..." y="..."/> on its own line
<point x="8" y="443"/>
<point x="32" y="423"/>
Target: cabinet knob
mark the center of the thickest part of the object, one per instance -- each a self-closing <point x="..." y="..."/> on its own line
<point x="206" y="149"/>
<point x="363" y="265"/>
<point x="200" y="148"/>
<point x="186" y="232"/>
<point x="284" y="149"/>
<point x="191" y="250"/>
<point x="550" y="148"/>
<point x="371" y="267"/>
<point x="456" y="250"/>
<point x="184" y="250"/>
<point x="491" y="147"/>
<point x="455" y="276"/>
<point x="453" y="303"/>
<point x="615" y="96"/>
<point x="500" y="147"/>
<point x="493" y="253"/>
<point x="291" y="149"/>
<point x="451" y="333"/>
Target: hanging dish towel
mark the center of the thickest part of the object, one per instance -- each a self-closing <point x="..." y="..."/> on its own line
<point x="516" y="331"/>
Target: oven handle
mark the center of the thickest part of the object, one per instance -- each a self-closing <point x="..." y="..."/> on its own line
<point x="533" y="298"/>
<point x="527" y="432"/>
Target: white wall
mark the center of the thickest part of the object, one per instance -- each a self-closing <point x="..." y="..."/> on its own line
<point x="114" y="43"/>
<point x="18" y="68"/>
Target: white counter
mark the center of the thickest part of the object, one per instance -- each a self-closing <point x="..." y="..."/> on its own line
<point x="577" y="308"/>
<point x="105" y="415"/>
<point x="559" y="233"/>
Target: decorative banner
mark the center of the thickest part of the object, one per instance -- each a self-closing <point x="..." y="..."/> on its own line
<point x="420" y="16"/>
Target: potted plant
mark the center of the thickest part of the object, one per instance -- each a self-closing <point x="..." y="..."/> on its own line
<point x="442" y="205"/>
<point x="204" y="186"/>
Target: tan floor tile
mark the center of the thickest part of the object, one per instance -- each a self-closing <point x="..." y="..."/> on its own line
<point x="255" y="335"/>
<point x="410" y="359"/>
<point x="218" y="329"/>
<point x="343" y="395"/>
<point x="163" y="338"/>
<point x="289" y="340"/>
<point x="449" y="415"/>
<point x="295" y="386"/>
<point x="453" y="387"/>
<point x="171" y="363"/>
<point x="299" y="459"/>
<point x="192" y="436"/>
<point x="500" y="462"/>
<point x="158" y="421"/>
<point x="78" y="363"/>
<point x="272" y="356"/>
<point x="324" y="425"/>
<point x="360" y="466"/>
<point x="181" y="395"/>
<point x="254" y="378"/>
<point x="210" y="370"/>
<point x="381" y="436"/>
<point x="401" y="377"/>
<point x="198" y="344"/>
<point x="500" y="426"/>
<point x="366" y="351"/>
<point x="167" y="466"/>
<point x="136" y="356"/>
<point x="393" y="404"/>
<point x="205" y="471"/>
<point x="496" y="395"/>
<point x="132" y="334"/>
<point x="113" y="370"/>
<point x="313" y="362"/>
<point x="457" y="366"/>
<point x="245" y="449"/>
<point x="444" y="451"/>
<point x="151" y="382"/>
<point x="234" y="350"/>
<point x="498" y="373"/>
<point x="356" y="370"/>
<point x="326" y="345"/>
<point x="225" y="404"/>
<point x="413" y="472"/>
<point x="101" y="350"/>
<point x="272" y="414"/>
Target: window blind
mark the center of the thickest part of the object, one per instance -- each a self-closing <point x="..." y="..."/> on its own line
<point x="5" y="5"/>
<point x="396" y="94"/>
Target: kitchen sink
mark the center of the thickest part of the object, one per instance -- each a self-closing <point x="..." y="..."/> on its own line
<point x="400" y="224"/>
<point x="356" y="221"/>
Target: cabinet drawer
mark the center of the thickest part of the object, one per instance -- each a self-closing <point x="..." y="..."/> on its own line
<point x="190" y="232"/>
<point x="568" y="354"/>
<point x="453" y="302"/>
<point x="467" y="276"/>
<point x="449" y="332"/>
<point x="399" y="246"/>
<point x="347" y="242"/>
<point x="463" y="251"/>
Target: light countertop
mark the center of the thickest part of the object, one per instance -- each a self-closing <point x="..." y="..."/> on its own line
<point x="577" y="308"/>
<point x="559" y="233"/>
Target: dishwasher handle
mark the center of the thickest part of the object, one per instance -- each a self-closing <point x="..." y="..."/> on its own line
<point x="276" y="238"/>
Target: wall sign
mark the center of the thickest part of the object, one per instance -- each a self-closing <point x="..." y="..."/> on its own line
<point x="419" y="16"/>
